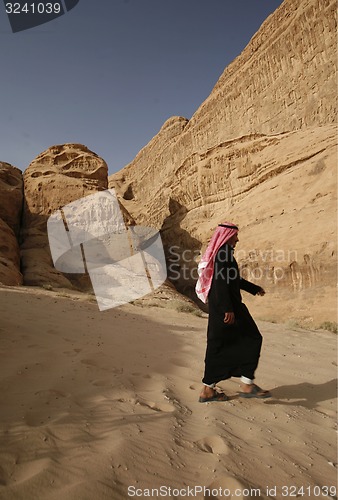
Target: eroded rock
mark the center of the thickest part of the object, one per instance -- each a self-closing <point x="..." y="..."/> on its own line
<point x="11" y="197"/>
<point x="58" y="176"/>
<point x="260" y="151"/>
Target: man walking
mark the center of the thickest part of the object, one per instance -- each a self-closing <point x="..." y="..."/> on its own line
<point x="233" y="339"/>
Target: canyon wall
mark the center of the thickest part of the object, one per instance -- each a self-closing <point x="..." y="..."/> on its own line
<point x="11" y="199"/>
<point x="284" y="80"/>
<point x="260" y="151"/>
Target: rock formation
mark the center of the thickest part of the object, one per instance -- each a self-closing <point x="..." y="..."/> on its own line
<point x="58" y="176"/>
<point x="261" y="151"/>
<point x="11" y="196"/>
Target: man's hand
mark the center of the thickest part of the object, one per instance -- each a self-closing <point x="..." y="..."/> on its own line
<point x="229" y="318"/>
<point x="261" y="292"/>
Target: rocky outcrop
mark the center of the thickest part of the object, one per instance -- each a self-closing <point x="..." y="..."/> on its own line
<point x="261" y="151"/>
<point x="58" y="176"/>
<point x="11" y="196"/>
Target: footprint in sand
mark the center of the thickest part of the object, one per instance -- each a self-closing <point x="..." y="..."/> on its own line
<point x="28" y="470"/>
<point x="232" y="486"/>
<point x="179" y="363"/>
<point x="161" y="407"/>
<point x="89" y="362"/>
<point x="212" y="444"/>
<point x="72" y="353"/>
<point x="52" y="331"/>
<point x="34" y="419"/>
<point x="141" y="375"/>
<point x="52" y="393"/>
<point x="97" y="364"/>
<point x="50" y="407"/>
<point x="3" y="477"/>
<point x="102" y="383"/>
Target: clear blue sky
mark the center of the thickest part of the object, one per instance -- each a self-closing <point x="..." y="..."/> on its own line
<point x="110" y="72"/>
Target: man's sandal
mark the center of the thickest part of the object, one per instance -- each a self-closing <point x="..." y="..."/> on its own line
<point x="218" y="396"/>
<point x="256" y="392"/>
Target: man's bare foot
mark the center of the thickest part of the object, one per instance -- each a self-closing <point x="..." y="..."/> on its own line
<point x="207" y="392"/>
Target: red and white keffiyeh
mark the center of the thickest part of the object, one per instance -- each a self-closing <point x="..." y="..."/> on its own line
<point x="223" y="233"/>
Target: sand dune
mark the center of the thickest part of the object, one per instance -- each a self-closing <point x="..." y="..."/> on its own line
<point x="96" y="402"/>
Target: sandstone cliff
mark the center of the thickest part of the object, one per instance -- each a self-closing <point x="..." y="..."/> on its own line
<point x="284" y="80"/>
<point x="261" y="151"/>
<point x="58" y="176"/>
<point x="11" y="197"/>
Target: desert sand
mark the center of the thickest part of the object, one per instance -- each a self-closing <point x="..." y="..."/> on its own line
<point x="94" y="403"/>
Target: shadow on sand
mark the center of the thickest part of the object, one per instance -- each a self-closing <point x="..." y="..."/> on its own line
<point x="304" y="394"/>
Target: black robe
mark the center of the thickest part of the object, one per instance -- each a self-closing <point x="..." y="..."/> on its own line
<point x="232" y="350"/>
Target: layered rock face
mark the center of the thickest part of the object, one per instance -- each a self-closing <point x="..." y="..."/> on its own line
<point x="58" y="176"/>
<point x="11" y="197"/>
<point x="260" y="151"/>
<point x="284" y="80"/>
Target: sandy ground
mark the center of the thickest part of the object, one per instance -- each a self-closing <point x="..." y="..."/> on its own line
<point x="93" y="403"/>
